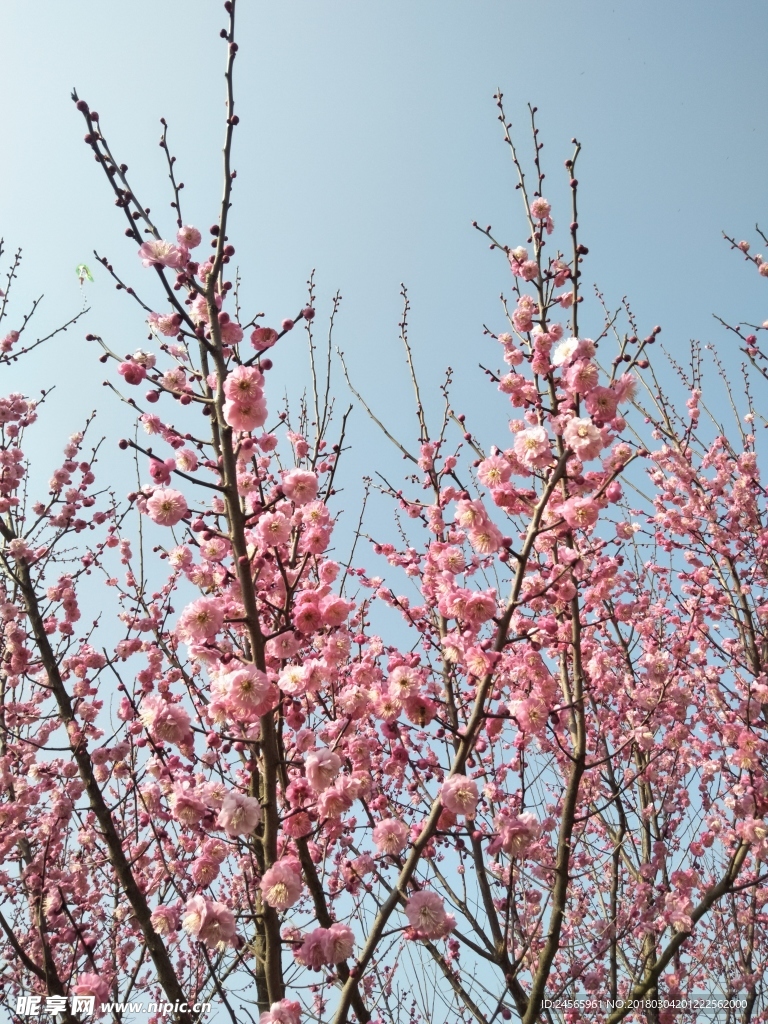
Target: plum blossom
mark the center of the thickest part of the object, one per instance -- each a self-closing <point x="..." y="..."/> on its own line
<point x="602" y="402"/>
<point x="133" y="373"/>
<point x="532" y="447"/>
<point x="426" y="913"/>
<point x="281" y="884"/>
<point x="326" y="946"/>
<point x="166" y="723"/>
<point x="340" y="943"/>
<point x="314" y="949"/>
<point x="247" y="690"/>
<point x="564" y="351"/>
<point x="322" y="766"/>
<point x="677" y="911"/>
<point x="460" y="795"/>
<point x="583" y="438"/>
<point x="165" y="919"/>
<point x="210" y="922"/>
<point x="231" y="332"/>
<point x="166" y="324"/>
<point x="390" y="836"/>
<point x="581" y="377"/>
<point x="284" y="1012"/>
<point x="202" y="619"/>
<point x="580" y="513"/>
<point x="516" y="834"/>
<point x="244" y="384"/>
<point x="300" y="485"/>
<point x="167" y="507"/>
<point x="274" y="528"/>
<point x="159" y="253"/>
<point x="91" y="985"/>
<point x="263" y="338"/>
<point x="245" y="415"/>
<point x="494" y="471"/>
<point x="189" y="237"/>
<point x="239" y="814"/>
<point x="486" y="539"/>
<point x="186" y="805"/>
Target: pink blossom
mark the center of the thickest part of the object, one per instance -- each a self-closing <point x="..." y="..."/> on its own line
<point x="216" y="849"/>
<point x="161" y="471"/>
<point x="530" y="714"/>
<point x="471" y="515"/>
<point x="186" y="460"/>
<point x="583" y="438"/>
<point x="581" y="377"/>
<point x="202" y="619"/>
<point x="281" y="884"/>
<point x="300" y="485"/>
<point x="460" y="795"/>
<point x="245" y="416"/>
<point x="274" y="528"/>
<point x="565" y="351"/>
<point x="314" y="952"/>
<point x="267" y="442"/>
<point x="167" y="507"/>
<point x="523" y="315"/>
<point x="532" y="447"/>
<point x="189" y="237"/>
<point x="321" y="767"/>
<point x="494" y="471"/>
<point x="159" y="253"/>
<point x="186" y="805"/>
<point x="625" y="387"/>
<point x="390" y="836"/>
<point x="540" y="209"/>
<point x="517" y="833"/>
<point x="166" y="324"/>
<point x="244" y="384"/>
<point x="263" y="338"/>
<point x="209" y="922"/>
<point x="486" y="539"/>
<point x="307" y="616"/>
<point x="239" y="814"/>
<point x="165" y="919"/>
<point x="166" y="723"/>
<point x="478" y="608"/>
<point x="580" y="513"/>
<point x="602" y="402"/>
<point x="335" y="610"/>
<point x="91" y="985"/>
<point x="677" y="911"/>
<point x="204" y="870"/>
<point x="231" y="332"/>
<point x="452" y="560"/>
<point x="426" y="913"/>
<point x="133" y="373"/>
<point x="247" y="690"/>
<point x="284" y="1012"/>
<point x="340" y="943"/>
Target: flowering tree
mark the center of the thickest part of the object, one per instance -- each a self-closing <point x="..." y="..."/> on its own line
<point x="550" y="784"/>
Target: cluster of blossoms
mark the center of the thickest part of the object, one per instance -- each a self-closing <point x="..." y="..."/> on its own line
<point x="547" y="783"/>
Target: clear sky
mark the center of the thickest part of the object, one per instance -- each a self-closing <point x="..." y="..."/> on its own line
<point x="368" y="143"/>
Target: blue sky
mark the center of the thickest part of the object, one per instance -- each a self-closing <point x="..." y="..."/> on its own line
<point x="368" y="143"/>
